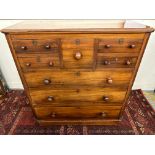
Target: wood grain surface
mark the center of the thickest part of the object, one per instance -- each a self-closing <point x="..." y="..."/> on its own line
<point x="77" y="72"/>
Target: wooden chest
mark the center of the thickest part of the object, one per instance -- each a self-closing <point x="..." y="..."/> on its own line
<point x="77" y="71"/>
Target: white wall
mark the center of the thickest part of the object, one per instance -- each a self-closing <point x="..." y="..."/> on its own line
<point x="7" y="64"/>
<point x="145" y="78"/>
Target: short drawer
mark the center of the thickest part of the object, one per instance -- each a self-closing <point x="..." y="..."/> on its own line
<point x="29" y="45"/>
<point x="116" y="60"/>
<point x="78" y="58"/>
<point x="91" y="94"/>
<point x="39" y="61"/>
<point x="77" y="112"/>
<point x="103" y="78"/>
<point x="127" y="43"/>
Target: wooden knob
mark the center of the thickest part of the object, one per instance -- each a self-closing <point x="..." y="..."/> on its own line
<point x="50" y="98"/>
<point x="23" y="47"/>
<point x="47" y="81"/>
<point x="28" y="64"/>
<point x="51" y="63"/>
<point x="128" y="62"/>
<point x="47" y="46"/>
<point x="109" y="80"/>
<point x="53" y="114"/>
<point x="106" y="62"/>
<point x="103" y="114"/>
<point x="132" y="46"/>
<point x="107" y="46"/>
<point x="78" y="55"/>
<point x="105" y="98"/>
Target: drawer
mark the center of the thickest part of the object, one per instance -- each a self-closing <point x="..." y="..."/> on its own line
<point x="118" y="60"/>
<point x="28" y="45"/>
<point x="104" y="78"/>
<point x="89" y="94"/>
<point x="39" y="61"/>
<point x="77" y="112"/>
<point x="118" y="45"/>
<point x="78" y="58"/>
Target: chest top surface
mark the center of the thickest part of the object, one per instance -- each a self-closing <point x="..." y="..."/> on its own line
<point x="106" y="26"/>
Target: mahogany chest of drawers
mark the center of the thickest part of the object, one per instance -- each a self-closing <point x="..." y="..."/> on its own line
<point x="77" y="71"/>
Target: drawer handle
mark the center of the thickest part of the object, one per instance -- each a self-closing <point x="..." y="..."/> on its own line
<point x="106" y="62"/>
<point x="51" y="63"/>
<point x="50" y="98"/>
<point x="107" y="46"/>
<point x="109" y="80"/>
<point x="53" y="114"/>
<point x="105" y="98"/>
<point x="78" y="55"/>
<point x="28" y="64"/>
<point x="23" y="47"/>
<point x="47" y="46"/>
<point x="103" y="114"/>
<point x="128" y="62"/>
<point x="47" y="81"/>
<point x="132" y="46"/>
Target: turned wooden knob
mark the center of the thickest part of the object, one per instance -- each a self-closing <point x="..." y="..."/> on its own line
<point x="109" y="80"/>
<point x="47" y="81"/>
<point x="50" y="98"/>
<point x="132" y="46"/>
<point x="107" y="46"/>
<point x="128" y="62"/>
<point x="103" y="114"/>
<point x="23" y="47"/>
<point x="53" y="114"/>
<point x="47" y="46"/>
<point x="106" y="62"/>
<point x="28" y="64"/>
<point x="51" y="63"/>
<point x="105" y="98"/>
<point x="78" y="55"/>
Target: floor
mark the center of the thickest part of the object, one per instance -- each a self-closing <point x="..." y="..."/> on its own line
<point x="150" y="95"/>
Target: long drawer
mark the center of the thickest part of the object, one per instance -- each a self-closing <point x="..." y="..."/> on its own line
<point x="90" y="94"/>
<point x="101" y="78"/>
<point x="77" y="112"/>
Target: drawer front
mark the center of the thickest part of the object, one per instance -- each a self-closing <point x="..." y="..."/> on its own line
<point x="118" y="45"/>
<point x="118" y="60"/>
<point x="110" y="78"/>
<point x="78" y="112"/>
<point x="103" y="95"/>
<point x="39" y="61"/>
<point x="28" y="46"/>
<point x="78" y="58"/>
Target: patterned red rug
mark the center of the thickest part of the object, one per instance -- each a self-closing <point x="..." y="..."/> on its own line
<point x="16" y="118"/>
